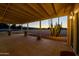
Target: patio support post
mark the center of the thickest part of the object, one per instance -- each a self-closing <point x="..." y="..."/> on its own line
<point x="26" y="31"/>
<point x="51" y="27"/>
<point x="58" y="20"/>
<point x="39" y="36"/>
<point x="21" y="27"/>
<point x="9" y="31"/>
<point x="69" y="29"/>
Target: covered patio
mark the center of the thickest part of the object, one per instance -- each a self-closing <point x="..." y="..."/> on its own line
<point x="32" y="44"/>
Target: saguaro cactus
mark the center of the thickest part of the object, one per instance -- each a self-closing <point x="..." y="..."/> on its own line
<point x="57" y="30"/>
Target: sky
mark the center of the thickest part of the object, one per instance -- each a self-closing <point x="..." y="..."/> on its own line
<point x="46" y="23"/>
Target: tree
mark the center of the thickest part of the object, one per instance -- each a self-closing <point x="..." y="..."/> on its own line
<point x="13" y="26"/>
<point x="3" y="26"/>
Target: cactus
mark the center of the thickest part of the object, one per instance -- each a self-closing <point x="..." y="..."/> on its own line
<point x="57" y="30"/>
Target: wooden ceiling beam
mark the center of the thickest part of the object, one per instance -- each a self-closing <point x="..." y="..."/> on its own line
<point x="16" y="20"/>
<point x="22" y="9"/>
<point x="72" y="7"/>
<point x="54" y="9"/>
<point x="63" y="9"/>
<point x="23" y="13"/>
<point x="4" y="13"/>
<point x="13" y="11"/>
<point x="36" y="10"/>
<point x="41" y="6"/>
<point x="18" y="14"/>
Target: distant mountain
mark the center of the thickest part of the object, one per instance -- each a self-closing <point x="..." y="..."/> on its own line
<point x="13" y="26"/>
<point x="64" y="28"/>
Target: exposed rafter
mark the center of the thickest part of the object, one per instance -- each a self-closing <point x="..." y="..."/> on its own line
<point x="54" y="9"/>
<point x="36" y="10"/>
<point x="4" y="13"/>
<point x="72" y="6"/>
<point x="44" y="9"/>
<point x="28" y="12"/>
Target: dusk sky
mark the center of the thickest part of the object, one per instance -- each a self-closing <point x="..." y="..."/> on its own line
<point x="45" y="23"/>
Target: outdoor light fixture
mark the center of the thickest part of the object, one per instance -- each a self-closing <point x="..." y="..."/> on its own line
<point x="71" y="17"/>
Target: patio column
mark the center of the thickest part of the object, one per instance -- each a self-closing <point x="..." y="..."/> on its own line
<point x="9" y="31"/>
<point x="69" y="30"/>
<point x="21" y="27"/>
<point x="73" y="32"/>
<point x="51" y="27"/>
<point x="26" y="31"/>
<point x="39" y="35"/>
<point x="76" y="32"/>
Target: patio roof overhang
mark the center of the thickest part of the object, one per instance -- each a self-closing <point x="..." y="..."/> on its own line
<point x="28" y="12"/>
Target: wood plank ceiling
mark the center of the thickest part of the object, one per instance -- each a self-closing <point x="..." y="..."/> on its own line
<point x="29" y="12"/>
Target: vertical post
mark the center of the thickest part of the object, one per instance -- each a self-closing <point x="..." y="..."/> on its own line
<point x="40" y="30"/>
<point x="69" y="25"/>
<point x="39" y="36"/>
<point x="9" y="31"/>
<point x="72" y="32"/>
<point x="51" y="27"/>
<point x="26" y="31"/>
<point x="21" y="27"/>
<point x="58" y="20"/>
<point x="40" y="25"/>
<point x="27" y="27"/>
<point x="76" y="33"/>
<point x="61" y="24"/>
<point x="72" y="29"/>
<point x="9" y="27"/>
<point x="49" y="24"/>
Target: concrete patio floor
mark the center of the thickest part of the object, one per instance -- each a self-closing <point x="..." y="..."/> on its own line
<point x="18" y="45"/>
